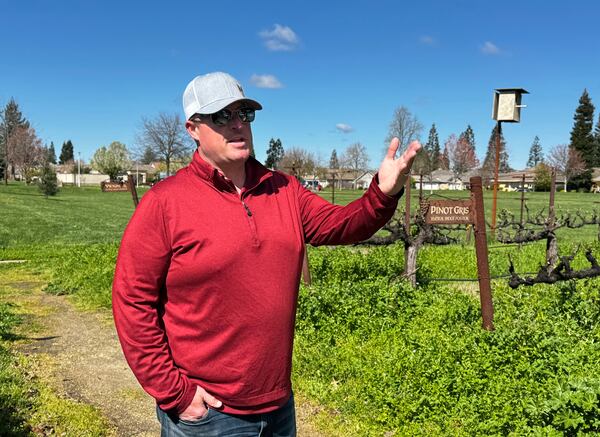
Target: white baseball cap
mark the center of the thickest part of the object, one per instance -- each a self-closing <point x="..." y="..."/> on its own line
<point x="212" y="92"/>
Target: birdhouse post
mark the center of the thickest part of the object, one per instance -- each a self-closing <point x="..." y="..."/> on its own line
<point x="507" y="107"/>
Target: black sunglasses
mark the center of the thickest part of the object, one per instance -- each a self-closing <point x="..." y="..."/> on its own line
<point x="224" y="116"/>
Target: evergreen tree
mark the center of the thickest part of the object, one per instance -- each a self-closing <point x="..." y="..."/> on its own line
<point x="536" y="156"/>
<point x="582" y="139"/>
<point x="51" y="154"/>
<point x="274" y="153"/>
<point x="468" y="136"/>
<point x="66" y="153"/>
<point x="333" y="161"/>
<point x="48" y="184"/>
<point x="12" y="118"/>
<point x="149" y="156"/>
<point x="489" y="161"/>
<point x="432" y="147"/>
<point x="504" y="165"/>
<point x="597" y="140"/>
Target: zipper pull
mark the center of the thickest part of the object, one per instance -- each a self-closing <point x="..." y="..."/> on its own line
<point x="247" y="209"/>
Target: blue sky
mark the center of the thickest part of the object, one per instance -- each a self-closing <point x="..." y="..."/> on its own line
<point x="328" y="74"/>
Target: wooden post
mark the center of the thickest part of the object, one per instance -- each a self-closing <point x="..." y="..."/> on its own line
<point x="410" y="251"/>
<point x="407" y="200"/>
<point x="522" y="198"/>
<point x="133" y="191"/>
<point x="333" y="190"/>
<point x="551" y="243"/>
<point x="483" y="268"/>
<point x="496" y="169"/>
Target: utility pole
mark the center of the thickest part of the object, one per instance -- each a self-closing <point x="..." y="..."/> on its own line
<point x="79" y="169"/>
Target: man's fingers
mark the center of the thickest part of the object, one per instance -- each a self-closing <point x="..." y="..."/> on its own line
<point x="394" y="144"/>
<point x="211" y="400"/>
<point x="411" y="151"/>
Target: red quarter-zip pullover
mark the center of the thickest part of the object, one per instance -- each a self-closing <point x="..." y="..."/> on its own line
<point x="206" y="281"/>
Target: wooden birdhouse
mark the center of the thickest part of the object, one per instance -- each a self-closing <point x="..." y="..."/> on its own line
<point x="507" y="104"/>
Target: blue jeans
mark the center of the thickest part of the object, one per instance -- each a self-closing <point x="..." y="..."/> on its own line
<point x="278" y="423"/>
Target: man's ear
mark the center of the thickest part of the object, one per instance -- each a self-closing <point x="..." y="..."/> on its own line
<point x="192" y="130"/>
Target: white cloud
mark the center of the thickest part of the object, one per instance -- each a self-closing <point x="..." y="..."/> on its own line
<point x="427" y="40"/>
<point x="265" y="81"/>
<point x="281" y="38"/>
<point x="344" y="128"/>
<point x="489" y="48"/>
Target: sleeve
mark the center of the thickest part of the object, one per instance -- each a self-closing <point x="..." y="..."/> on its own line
<point x="325" y="223"/>
<point x="142" y="265"/>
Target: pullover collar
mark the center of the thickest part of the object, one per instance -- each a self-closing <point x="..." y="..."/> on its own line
<point x="256" y="173"/>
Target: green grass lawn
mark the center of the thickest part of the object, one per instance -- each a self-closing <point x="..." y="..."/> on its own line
<point x="377" y="356"/>
<point x="75" y="215"/>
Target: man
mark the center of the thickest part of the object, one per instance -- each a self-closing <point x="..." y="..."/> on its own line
<point x="206" y="283"/>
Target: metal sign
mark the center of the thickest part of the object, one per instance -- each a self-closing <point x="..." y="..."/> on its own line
<point x="449" y="212"/>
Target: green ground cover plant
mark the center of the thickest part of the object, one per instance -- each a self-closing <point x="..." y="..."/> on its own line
<point x="381" y="358"/>
<point x="28" y="406"/>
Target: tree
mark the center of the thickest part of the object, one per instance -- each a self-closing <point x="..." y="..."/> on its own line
<point x="66" y="153"/>
<point x="542" y="178"/>
<point x="275" y="153"/>
<point x="468" y="137"/>
<point x="597" y="140"/>
<point x="536" y="155"/>
<point x="112" y="160"/>
<point x="148" y="157"/>
<point x="582" y="139"/>
<point x="166" y="136"/>
<point x="51" y="154"/>
<point x="48" y="184"/>
<point x="356" y="158"/>
<point x="461" y="155"/>
<point x="433" y="149"/>
<point x="566" y="160"/>
<point x="489" y="161"/>
<point x="333" y="161"/>
<point x="445" y="160"/>
<point x="299" y="162"/>
<point x="12" y="118"/>
<point x="404" y="126"/>
<point x="25" y="151"/>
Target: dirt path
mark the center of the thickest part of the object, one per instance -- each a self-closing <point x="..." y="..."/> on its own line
<point x="90" y="367"/>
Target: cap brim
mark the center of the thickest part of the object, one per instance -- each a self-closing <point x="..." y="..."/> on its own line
<point x="220" y="104"/>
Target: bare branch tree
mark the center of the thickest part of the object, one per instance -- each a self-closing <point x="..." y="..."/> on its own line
<point x="298" y="162"/>
<point x="405" y="126"/>
<point x="566" y="160"/>
<point x="25" y="151"/>
<point x="356" y="158"/>
<point x="166" y="136"/>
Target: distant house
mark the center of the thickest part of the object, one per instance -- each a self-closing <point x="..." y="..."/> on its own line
<point x="441" y="180"/>
<point x="595" y="180"/>
<point x="363" y="181"/>
<point x="512" y="181"/>
<point x="343" y="178"/>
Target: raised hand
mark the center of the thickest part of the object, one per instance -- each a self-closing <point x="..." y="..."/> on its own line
<point x="393" y="171"/>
